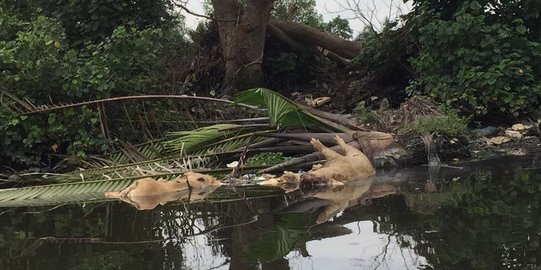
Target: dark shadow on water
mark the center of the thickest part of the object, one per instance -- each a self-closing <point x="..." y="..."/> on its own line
<point x="484" y="216"/>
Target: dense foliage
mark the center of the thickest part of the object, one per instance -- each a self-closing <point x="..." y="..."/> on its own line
<point x="94" y="20"/>
<point x="480" y="56"/>
<point x="40" y="65"/>
<point x="385" y="55"/>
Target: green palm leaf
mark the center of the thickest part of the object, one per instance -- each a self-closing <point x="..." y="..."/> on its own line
<point x="136" y="153"/>
<point x="183" y="142"/>
<point x="162" y="167"/>
<point x="212" y="139"/>
<point x="181" y="151"/>
<point x="286" y="113"/>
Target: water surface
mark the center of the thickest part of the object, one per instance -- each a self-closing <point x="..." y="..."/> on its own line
<point x="484" y="216"/>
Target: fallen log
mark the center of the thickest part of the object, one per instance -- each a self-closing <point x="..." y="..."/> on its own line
<point x="306" y="34"/>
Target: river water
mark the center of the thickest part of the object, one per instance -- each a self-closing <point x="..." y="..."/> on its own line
<point x="485" y="215"/>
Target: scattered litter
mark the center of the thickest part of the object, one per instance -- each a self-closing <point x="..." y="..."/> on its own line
<point x="233" y="164"/>
<point x="516" y="152"/>
<point x="513" y="134"/>
<point x="498" y="140"/>
<point x="316" y="102"/>
<point x="518" y="127"/>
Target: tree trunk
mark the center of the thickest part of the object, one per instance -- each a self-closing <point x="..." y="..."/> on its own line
<point x="242" y="30"/>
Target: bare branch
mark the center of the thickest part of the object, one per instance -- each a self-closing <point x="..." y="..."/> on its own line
<point x="182" y="5"/>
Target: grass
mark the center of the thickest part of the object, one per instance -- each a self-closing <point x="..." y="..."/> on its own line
<point x="450" y="124"/>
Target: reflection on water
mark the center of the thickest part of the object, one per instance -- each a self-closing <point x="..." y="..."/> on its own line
<point x="484" y="216"/>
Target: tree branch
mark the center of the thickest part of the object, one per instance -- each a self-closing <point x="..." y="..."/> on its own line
<point x="182" y="5"/>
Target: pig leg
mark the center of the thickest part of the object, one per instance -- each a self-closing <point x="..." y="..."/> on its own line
<point x="327" y="152"/>
<point x="348" y="149"/>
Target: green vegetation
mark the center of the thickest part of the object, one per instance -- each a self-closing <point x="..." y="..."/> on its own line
<point x="44" y="63"/>
<point x="479" y="56"/>
<point x="286" y="113"/>
<point x="386" y="55"/>
<point x="304" y="11"/>
<point x="450" y="124"/>
<point x="364" y="114"/>
<point x="266" y="159"/>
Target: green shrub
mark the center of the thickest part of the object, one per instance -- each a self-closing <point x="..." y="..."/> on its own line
<point x="386" y="53"/>
<point x="94" y="20"/>
<point x="39" y="65"/>
<point x="481" y="59"/>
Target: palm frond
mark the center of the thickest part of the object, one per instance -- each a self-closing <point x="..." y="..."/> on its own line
<point x="211" y="139"/>
<point x="182" y="151"/>
<point x="129" y="153"/>
<point x="164" y="167"/>
<point x="60" y="193"/>
<point x="230" y="193"/>
<point x="286" y="113"/>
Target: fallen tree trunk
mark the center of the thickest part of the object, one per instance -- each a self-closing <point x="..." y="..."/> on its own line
<point x="303" y="47"/>
<point x="310" y="35"/>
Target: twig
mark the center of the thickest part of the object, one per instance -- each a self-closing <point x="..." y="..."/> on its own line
<point x="183" y="6"/>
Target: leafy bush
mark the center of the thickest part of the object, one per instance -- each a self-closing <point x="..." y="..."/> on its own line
<point x="38" y="65"/>
<point x="297" y="11"/>
<point x="480" y="59"/>
<point x="385" y="58"/>
<point x="34" y="67"/>
<point x="94" y="20"/>
<point x="386" y="54"/>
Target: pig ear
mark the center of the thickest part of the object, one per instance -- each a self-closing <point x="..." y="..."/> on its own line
<point x="339" y="177"/>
